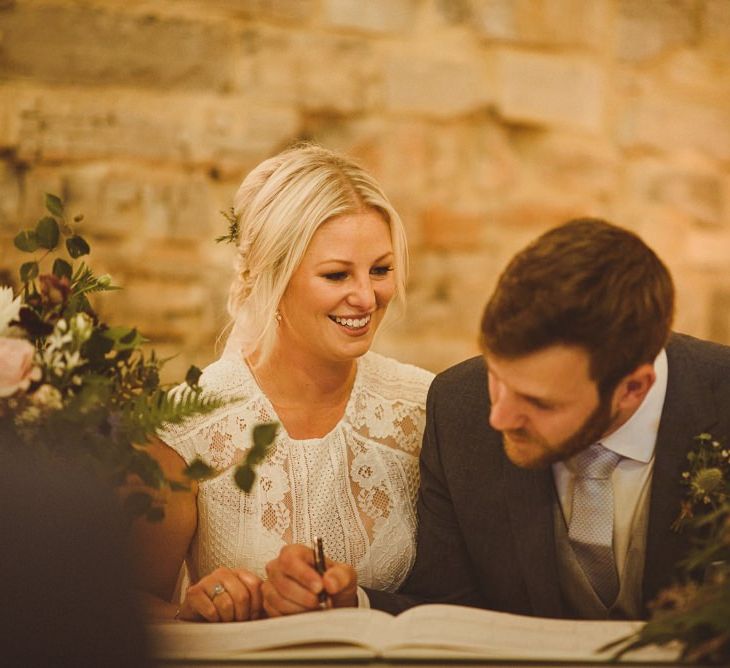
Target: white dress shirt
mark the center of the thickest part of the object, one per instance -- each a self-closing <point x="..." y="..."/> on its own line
<point x="635" y="441"/>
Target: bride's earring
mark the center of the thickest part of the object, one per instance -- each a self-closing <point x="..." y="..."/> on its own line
<point x="277" y="316"/>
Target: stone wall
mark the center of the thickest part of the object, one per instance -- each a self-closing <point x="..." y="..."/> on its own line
<point x="487" y="121"/>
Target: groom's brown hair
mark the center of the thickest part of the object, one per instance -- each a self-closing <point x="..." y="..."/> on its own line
<point x="586" y="283"/>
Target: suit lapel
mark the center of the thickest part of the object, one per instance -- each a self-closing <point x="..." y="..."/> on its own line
<point x="530" y="501"/>
<point x="688" y="411"/>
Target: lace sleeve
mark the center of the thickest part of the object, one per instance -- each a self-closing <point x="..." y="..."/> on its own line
<point x="195" y="436"/>
<point x="180" y="438"/>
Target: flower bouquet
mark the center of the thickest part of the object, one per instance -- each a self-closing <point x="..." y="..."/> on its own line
<point x="74" y="388"/>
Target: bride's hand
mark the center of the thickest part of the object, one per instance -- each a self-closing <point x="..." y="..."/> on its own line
<point x="226" y="595"/>
<point x="293" y="583"/>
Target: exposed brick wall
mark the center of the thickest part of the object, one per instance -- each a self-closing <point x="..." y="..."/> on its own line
<point x="487" y="121"/>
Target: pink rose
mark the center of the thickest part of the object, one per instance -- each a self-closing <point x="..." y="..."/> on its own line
<point x="16" y="365"/>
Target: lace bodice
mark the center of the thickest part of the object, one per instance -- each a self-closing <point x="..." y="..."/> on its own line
<point x="356" y="487"/>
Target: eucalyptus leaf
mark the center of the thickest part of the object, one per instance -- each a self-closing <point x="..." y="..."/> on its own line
<point x="193" y="376"/>
<point x="47" y="233"/>
<point x="137" y="503"/>
<point x="245" y="477"/>
<point x="54" y="205"/>
<point x="77" y="246"/>
<point x="264" y="434"/>
<point x="199" y="470"/>
<point x="62" y="268"/>
<point x="26" y="241"/>
<point x="28" y="271"/>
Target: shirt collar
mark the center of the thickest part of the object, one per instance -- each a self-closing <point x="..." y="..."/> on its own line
<point x="636" y="438"/>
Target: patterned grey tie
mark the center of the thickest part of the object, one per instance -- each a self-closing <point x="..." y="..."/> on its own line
<point x="591" y="521"/>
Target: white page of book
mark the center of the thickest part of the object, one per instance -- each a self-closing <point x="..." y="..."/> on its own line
<point x="364" y="628"/>
<point x="501" y="635"/>
<point x="430" y="631"/>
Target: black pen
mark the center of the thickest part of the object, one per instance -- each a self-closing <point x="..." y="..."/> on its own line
<point x="320" y="567"/>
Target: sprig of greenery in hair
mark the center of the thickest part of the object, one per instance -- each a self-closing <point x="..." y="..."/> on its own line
<point x="234" y="227"/>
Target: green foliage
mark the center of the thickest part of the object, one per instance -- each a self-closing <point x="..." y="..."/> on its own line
<point x="199" y="470"/>
<point x="93" y="393"/>
<point x="28" y="271"/>
<point x="54" y="205"/>
<point x="77" y="246"/>
<point x="234" y="227"/>
<point x="696" y="612"/>
<point x="62" y="269"/>
<point x="26" y="241"/>
<point x="263" y="437"/>
<point x="245" y="478"/>
<point x="193" y="375"/>
<point x="47" y="233"/>
<point x="244" y="475"/>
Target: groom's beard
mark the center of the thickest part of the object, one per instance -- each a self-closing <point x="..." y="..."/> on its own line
<point x="531" y="450"/>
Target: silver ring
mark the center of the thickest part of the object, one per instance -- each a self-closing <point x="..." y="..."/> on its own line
<point x="218" y="589"/>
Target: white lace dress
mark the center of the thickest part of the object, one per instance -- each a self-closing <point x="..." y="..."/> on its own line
<point x="355" y="487"/>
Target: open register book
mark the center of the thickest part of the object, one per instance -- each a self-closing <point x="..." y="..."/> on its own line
<point x="424" y="632"/>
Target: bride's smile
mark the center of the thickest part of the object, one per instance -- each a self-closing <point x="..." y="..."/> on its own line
<point x="339" y="294"/>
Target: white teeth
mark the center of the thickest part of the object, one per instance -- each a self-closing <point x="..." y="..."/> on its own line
<point x="353" y="323"/>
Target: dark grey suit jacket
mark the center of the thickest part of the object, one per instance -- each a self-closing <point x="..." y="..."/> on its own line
<point x="486" y="535"/>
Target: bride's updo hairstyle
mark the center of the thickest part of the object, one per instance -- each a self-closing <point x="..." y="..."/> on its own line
<point x="279" y="207"/>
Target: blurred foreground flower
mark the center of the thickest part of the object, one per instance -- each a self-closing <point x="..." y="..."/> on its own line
<point x="16" y="366"/>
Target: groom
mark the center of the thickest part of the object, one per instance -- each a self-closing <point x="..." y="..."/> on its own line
<point x="579" y="370"/>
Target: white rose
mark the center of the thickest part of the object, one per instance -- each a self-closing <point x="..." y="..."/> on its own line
<point x="9" y="309"/>
<point x="16" y="366"/>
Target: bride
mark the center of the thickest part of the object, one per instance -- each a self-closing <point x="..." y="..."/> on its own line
<point x="321" y="255"/>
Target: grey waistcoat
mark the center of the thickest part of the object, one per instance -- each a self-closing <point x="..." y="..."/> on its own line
<point x="579" y="599"/>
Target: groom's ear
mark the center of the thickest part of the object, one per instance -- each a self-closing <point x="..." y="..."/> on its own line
<point x="633" y="388"/>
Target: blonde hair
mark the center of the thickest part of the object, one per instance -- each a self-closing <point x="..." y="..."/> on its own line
<point x="279" y="207"/>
